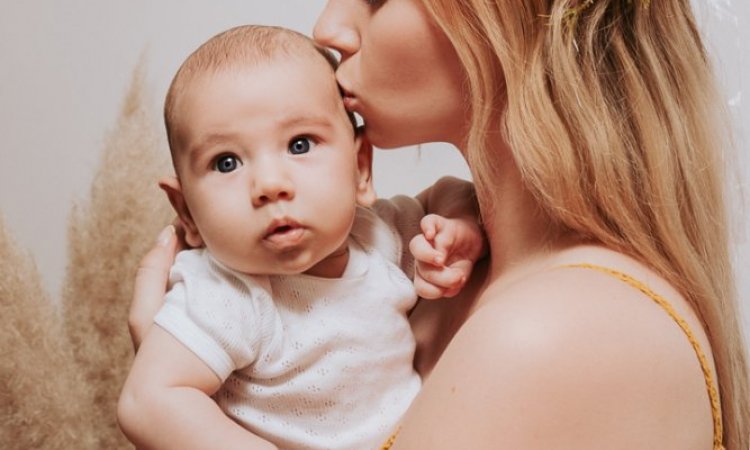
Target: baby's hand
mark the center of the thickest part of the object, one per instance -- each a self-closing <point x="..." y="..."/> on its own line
<point x="445" y="254"/>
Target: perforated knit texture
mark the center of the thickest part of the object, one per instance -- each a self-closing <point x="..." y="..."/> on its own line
<point x="308" y="363"/>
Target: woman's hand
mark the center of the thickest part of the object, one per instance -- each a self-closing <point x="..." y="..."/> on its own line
<point x="151" y="282"/>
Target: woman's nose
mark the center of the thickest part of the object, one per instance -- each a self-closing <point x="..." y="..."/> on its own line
<point x="336" y="28"/>
<point x="271" y="184"/>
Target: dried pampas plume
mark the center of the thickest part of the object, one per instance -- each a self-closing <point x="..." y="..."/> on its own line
<point x="44" y="403"/>
<point x="62" y="370"/>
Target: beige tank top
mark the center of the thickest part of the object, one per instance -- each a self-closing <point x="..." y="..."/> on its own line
<point x="713" y="394"/>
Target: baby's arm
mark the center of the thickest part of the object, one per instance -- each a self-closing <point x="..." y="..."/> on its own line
<point x="166" y="403"/>
<point x="451" y="240"/>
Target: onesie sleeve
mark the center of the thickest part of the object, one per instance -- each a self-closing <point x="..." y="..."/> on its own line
<point x="396" y="223"/>
<point x="221" y="317"/>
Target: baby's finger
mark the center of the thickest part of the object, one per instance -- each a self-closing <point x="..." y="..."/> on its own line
<point x="424" y="252"/>
<point x="430" y="225"/>
<point x="442" y="277"/>
<point x="462" y="266"/>
<point x="427" y="290"/>
<point x="450" y="293"/>
<point x="445" y="239"/>
<point x="454" y="290"/>
<point x="462" y="269"/>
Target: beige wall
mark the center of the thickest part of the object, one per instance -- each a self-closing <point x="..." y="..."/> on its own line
<point x="64" y="67"/>
<point x="63" y="73"/>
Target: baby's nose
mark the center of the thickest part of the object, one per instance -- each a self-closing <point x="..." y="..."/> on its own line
<point x="271" y="184"/>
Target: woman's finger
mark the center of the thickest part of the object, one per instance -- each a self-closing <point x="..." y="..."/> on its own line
<point x="151" y="283"/>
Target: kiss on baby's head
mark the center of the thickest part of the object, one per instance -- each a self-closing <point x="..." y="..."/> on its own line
<point x="242" y="48"/>
<point x="269" y="169"/>
<point x="290" y="311"/>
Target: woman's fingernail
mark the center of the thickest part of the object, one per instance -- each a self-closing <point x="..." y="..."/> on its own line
<point x="165" y="236"/>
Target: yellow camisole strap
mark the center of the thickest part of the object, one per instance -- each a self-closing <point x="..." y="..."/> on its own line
<point x="713" y="394"/>
<point x="389" y="443"/>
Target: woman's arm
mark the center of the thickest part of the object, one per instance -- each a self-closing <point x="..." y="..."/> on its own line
<point x="166" y="403"/>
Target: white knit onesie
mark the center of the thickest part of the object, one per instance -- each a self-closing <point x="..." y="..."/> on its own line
<point x="308" y="362"/>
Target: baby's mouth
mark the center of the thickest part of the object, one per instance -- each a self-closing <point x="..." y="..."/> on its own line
<point x="282" y="229"/>
<point x="284" y="233"/>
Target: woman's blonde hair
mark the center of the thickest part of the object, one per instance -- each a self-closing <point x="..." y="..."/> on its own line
<point x="612" y="115"/>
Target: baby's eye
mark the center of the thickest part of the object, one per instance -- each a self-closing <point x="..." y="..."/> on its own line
<point x="226" y="163"/>
<point x="300" y="145"/>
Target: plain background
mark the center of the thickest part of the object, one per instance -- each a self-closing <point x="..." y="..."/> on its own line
<point x="65" y="66"/>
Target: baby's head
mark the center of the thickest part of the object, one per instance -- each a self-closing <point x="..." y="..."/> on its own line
<point x="269" y="167"/>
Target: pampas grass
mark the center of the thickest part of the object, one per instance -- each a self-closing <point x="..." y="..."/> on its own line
<point x="62" y="371"/>
<point x="107" y="237"/>
<point x="44" y="403"/>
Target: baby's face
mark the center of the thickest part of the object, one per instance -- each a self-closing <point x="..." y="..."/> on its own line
<point x="268" y="165"/>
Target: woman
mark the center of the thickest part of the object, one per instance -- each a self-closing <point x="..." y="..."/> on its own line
<point x="607" y="317"/>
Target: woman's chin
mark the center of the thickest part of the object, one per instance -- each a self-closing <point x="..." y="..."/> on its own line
<point x="388" y="139"/>
<point x="393" y="135"/>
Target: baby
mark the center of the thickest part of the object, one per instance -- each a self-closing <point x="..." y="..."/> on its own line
<point x="289" y="316"/>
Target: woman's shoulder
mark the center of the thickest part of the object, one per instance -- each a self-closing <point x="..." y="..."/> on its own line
<point x="573" y="357"/>
<point x="602" y="302"/>
<point x="587" y="298"/>
<point x="592" y="281"/>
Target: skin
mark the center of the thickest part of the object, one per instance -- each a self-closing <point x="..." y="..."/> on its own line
<point x="530" y="355"/>
<point x="252" y="147"/>
<point x="393" y="81"/>
<point x="533" y="360"/>
<point x="269" y="178"/>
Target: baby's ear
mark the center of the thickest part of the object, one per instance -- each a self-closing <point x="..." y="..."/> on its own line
<point x="172" y="187"/>
<point x="365" y="189"/>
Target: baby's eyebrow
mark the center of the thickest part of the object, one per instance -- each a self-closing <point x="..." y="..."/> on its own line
<point x="298" y="120"/>
<point x="194" y="151"/>
<point x="206" y="141"/>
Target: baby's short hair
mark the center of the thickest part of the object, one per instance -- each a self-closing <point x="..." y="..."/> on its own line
<point x="237" y="48"/>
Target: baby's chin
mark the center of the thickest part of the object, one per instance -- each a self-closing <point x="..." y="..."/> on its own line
<point x="303" y="259"/>
<point x="287" y="267"/>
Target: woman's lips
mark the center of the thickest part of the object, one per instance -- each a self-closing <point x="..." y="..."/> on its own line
<point x="350" y="100"/>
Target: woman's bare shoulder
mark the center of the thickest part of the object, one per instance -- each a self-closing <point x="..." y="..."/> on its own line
<point x="564" y="358"/>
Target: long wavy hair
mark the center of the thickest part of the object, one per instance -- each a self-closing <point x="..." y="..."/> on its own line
<point x="615" y="123"/>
